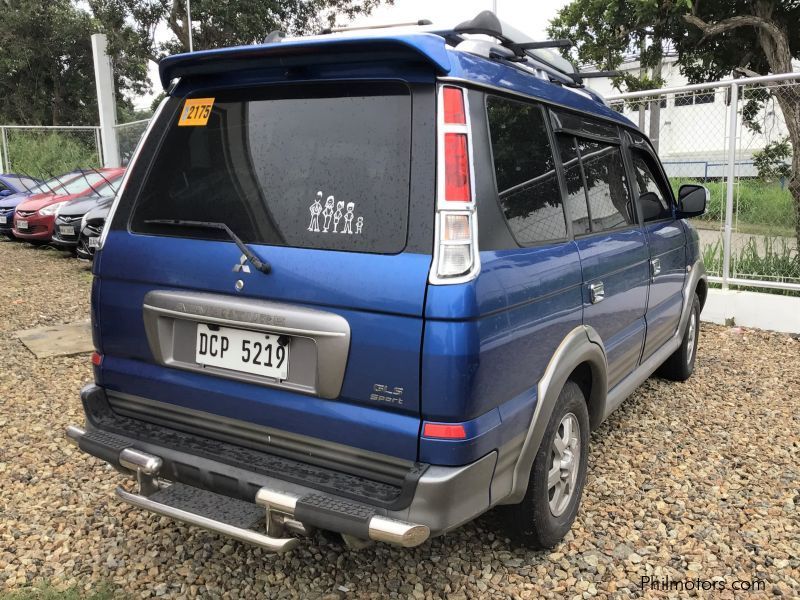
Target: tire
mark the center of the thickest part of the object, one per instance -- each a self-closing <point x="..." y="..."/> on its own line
<point x="680" y="366"/>
<point x="540" y="521"/>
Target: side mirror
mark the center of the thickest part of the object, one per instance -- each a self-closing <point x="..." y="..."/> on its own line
<point x="5" y="193"/>
<point x="692" y="200"/>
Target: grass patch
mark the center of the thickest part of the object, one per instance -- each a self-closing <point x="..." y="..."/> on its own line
<point x="767" y="259"/>
<point x="46" y="591"/>
<point x="39" y="153"/>
<point x="759" y="207"/>
<point x="747" y="228"/>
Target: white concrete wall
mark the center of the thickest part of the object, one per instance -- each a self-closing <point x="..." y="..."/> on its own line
<point x="753" y="309"/>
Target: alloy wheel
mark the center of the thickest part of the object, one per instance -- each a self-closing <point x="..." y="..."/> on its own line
<point x="565" y="458"/>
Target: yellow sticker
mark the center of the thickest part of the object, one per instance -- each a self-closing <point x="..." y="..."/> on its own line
<point x="195" y="112"/>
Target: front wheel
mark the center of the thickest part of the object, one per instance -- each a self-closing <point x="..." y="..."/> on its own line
<point x="551" y="502"/>
<point x="680" y="366"/>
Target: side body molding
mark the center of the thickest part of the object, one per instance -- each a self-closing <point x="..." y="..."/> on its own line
<point x="581" y="345"/>
<point x="584" y="345"/>
<point x="626" y="387"/>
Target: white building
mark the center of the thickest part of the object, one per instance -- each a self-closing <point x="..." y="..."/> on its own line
<point x="693" y="127"/>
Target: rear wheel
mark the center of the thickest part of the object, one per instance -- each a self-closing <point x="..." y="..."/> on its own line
<point x="551" y="502"/>
<point x="680" y="366"/>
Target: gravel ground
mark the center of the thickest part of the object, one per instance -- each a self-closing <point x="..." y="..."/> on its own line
<point x="686" y="481"/>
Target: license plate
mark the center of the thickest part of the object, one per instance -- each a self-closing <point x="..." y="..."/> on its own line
<point x="251" y="352"/>
<point x="94" y="242"/>
<point x="22" y="224"/>
<point x="3" y="220"/>
<point x="66" y="230"/>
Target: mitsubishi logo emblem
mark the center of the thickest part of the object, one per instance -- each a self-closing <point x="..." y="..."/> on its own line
<point x="241" y="266"/>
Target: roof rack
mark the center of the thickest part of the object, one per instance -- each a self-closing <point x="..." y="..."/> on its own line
<point x="419" y="23"/>
<point x="517" y="47"/>
<point x="524" y="48"/>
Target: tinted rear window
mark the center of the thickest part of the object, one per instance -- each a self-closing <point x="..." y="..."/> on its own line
<point x="525" y="170"/>
<point x="318" y="166"/>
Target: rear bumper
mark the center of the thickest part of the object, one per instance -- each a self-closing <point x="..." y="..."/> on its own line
<point x="429" y="500"/>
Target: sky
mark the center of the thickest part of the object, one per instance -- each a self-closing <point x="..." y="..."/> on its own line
<point x="529" y="16"/>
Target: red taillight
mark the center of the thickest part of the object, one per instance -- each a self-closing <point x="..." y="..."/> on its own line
<point x="444" y="431"/>
<point x="456" y="257"/>
<point x="454" y="106"/>
<point x="456" y="168"/>
<point x="97" y="359"/>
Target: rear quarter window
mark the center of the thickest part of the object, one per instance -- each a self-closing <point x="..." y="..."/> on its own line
<point x="322" y="166"/>
<point x="527" y="182"/>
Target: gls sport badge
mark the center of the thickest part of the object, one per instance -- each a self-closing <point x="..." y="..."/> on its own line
<point x="383" y="393"/>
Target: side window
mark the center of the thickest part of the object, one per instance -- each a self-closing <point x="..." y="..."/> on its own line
<point x="610" y="206"/>
<point x="654" y="199"/>
<point x="524" y="165"/>
<point x="576" y="192"/>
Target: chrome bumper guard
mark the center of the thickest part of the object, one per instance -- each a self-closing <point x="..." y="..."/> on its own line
<point x="281" y="510"/>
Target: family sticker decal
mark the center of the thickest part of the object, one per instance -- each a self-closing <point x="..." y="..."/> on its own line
<point x="333" y="213"/>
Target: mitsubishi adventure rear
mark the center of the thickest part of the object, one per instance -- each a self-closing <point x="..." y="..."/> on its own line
<point x="342" y="288"/>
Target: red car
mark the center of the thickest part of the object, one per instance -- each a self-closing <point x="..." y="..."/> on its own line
<point x="34" y="218"/>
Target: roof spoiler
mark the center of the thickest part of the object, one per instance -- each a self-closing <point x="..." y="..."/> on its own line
<point x="423" y="47"/>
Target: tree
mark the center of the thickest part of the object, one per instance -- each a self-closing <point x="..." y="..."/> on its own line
<point x="132" y="24"/>
<point x="46" y="64"/>
<point x="46" y="70"/>
<point x="713" y="39"/>
<point x="772" y="161"/>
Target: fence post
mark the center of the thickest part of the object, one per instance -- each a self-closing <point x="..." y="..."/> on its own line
<point x="7" y="165"/>
<point x="726" y="239"/>
<point x="98" y="144"/>
<point x="106" y="104"/>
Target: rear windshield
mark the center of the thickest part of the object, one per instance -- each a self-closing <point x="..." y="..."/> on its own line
<point x="319" y="166"/>
<point x="79" y="184"/>
<point x="104" y="188"/>
<point x="22" y="183"/>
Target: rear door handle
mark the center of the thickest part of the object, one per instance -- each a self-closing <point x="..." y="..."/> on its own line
<point x="655" y="267"/>
<point x="597" y="292"/>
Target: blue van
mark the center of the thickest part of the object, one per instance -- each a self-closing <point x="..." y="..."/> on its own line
<point x="380" y="282"/>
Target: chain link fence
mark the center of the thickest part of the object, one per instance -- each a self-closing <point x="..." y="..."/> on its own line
<point x="128" y="136"/>
<point x="45" y="151"/>
<point x="732" y="137"/>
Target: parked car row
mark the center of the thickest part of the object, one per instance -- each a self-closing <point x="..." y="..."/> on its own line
<point x="68" y="210"/>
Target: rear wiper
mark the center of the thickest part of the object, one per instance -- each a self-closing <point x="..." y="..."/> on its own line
<point x="60" y="184"/>
<point x="90" y="183"/>
<point x="49" y="187"/>
<point x="259" y="264"/>
<point x="101" y="175"/>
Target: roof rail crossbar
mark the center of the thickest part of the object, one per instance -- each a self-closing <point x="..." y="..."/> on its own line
<point x="597" y="74"/>
<point x="419" y="23"/>
<point x="546" y="44"/>
<point x="487" y="23"/>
